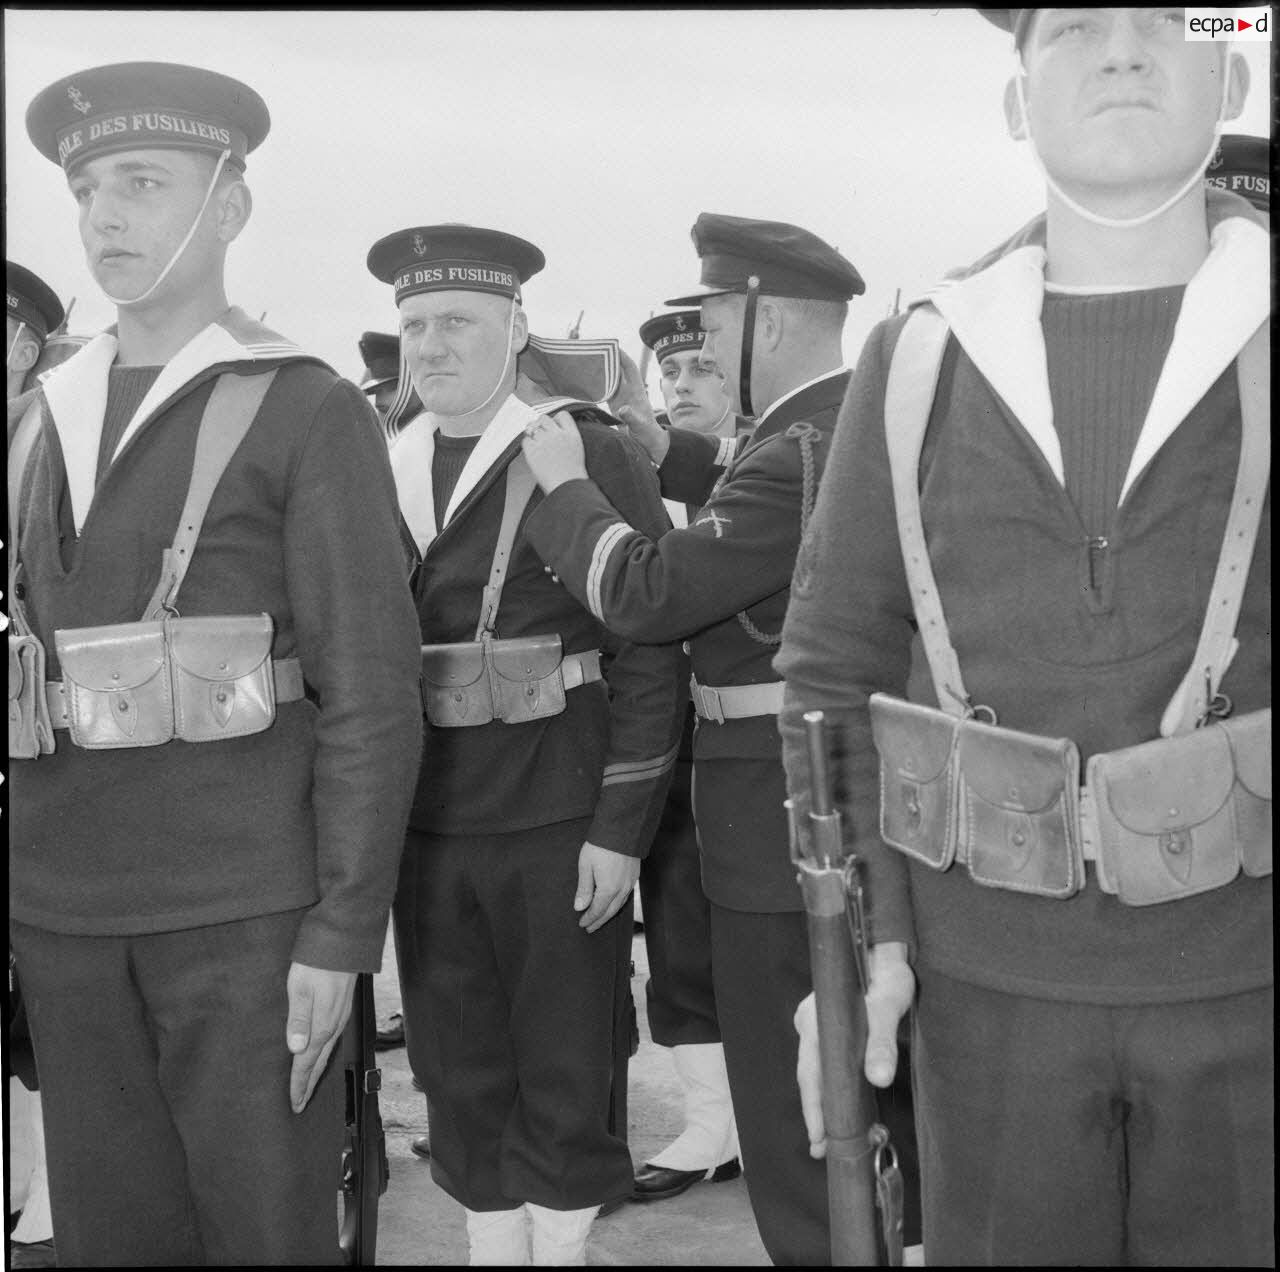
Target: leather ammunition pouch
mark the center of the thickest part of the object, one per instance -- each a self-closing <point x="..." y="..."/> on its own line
<point x="513" y="681"/>
<point x="1184" y="814"/>
<point x="455" y="685"/>
<point x="143" y="684"/>
<point x="526" y="678"/>
<point x="30" y="733"/>
<point x="1002" y="803"/>
<point x="918" y="812"/>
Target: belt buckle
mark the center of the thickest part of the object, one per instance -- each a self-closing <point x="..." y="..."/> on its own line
<point x="712" y="709"/>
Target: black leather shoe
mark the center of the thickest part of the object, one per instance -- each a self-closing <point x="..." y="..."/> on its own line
<point x="657" y="1183"/>
<point x="610" y="1207"/>
<point x="391" y="1036"/>
<point x="415" y="1084"/>
<point x="420" y="1145"/>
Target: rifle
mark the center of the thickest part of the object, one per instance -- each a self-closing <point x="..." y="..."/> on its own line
<point x="365" y="1169"/>
<point x="862" y="1166"/>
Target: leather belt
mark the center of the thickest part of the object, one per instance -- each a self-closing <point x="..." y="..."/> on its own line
<point x="735" y="702"/>
<point x="581" y="669"/>
<point x="286" y="672"/>
<point x="1088" y="823"/>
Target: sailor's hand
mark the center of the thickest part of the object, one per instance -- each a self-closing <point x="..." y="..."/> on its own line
<point x="605" y="881"/>
<point x="631" y="405"/>
<point x="319" y="1005"/>
<point x="553" y="447"/>
<point x="889" y="997"/>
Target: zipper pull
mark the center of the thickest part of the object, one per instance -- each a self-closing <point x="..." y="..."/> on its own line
<point x="1097" y="547"/>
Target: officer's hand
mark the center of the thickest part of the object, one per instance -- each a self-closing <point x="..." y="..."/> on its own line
<point x="631" y="405"/>
<point x="553" y="447"/>
<point x="605" y="880"/>
<point x="893" y="986"/>
<point x="319" y="1004"/>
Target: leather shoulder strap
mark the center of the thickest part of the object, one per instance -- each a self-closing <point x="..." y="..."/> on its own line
<point x="908" y="400"/>
<point x="229" y="413"/>
<point x="24" y="440"/>
<point x="520" y="486"/>
<point x="1190" y="705"/>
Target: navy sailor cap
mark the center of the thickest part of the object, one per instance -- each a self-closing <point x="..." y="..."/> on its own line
<point x="28" y="298"/>
<point x="143" y="106"/>
<point x="454" y="257"/>
<point x="673" y="333"/>
<point x="1242" y="165"/>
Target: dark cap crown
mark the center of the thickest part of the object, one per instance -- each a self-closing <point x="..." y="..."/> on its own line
<point x="785" y="260"/>
<point x="29" y="299"/>
<point x="143" y="106"/>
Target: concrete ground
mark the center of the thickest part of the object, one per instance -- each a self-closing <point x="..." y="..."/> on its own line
<point x="710" y="1225"/>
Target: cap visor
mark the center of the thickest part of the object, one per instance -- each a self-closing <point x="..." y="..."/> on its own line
<point x="692" y="298"/>
<point x="369" y="386"/>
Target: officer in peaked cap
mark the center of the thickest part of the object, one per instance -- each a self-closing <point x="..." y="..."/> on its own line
<point x="750" y="258"/>
<point x="1242" y="165"/>
<point x="773" y="299"/>
<point x="512" y="917"/>
<point x="32" y="310"/>
<point x="196" y="878"/>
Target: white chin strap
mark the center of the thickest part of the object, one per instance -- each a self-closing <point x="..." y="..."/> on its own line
<point x="506" y="362"/>
<point x="13" y="344"/>
<point x="1130" y="222"/>
<point x="182" y="247"/>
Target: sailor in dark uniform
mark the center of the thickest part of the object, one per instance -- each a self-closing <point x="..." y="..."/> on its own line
<point x="773" y="306"/>
<point x="31" y="311"/>
<point x="206" y="826"/>
<point x="677" y="927"/>
<point x="541" y="782"/>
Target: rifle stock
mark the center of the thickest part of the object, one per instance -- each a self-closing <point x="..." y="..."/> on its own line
<point x="365" y="1169"/>
<point x="833" y="904"/>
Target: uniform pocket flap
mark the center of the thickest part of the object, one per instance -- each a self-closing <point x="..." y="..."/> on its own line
<point x="109" y="659"/>
<point x="1250" y="739"/>
<point x="1020" y="772"/>
<point x="453" y="666"/>
<point x="914" y="742"/>
<point x="526" y="658"/>
<point x="220" y="648"/>
<point x="1170" y="784"/>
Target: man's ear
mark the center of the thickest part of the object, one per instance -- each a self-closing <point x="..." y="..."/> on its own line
<point x="235" y="206"/>
<point x="771" y="323"/>
<point x="519" y="331"/>
<point x="26" y="353"/>
<point x="1237" y="70"/>
<point x="1014" y="118"/>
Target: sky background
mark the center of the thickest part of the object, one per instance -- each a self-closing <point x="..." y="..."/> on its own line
<point x="598" y="135"/>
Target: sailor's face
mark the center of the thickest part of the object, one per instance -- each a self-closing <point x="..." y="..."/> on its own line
<point x="136" y="208"/>
<point x="1118" y="97"/>
<point x="722" y="338"/>
<point x="455" y="344"/>
<point x="693" y="390"/>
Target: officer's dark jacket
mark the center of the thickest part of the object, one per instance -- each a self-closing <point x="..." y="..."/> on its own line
<point x="736" y="557"/>
<point x="310" y="812"/>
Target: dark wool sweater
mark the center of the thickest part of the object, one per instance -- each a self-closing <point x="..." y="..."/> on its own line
<point x="1051" y="653"/>
<point x="311" y="812"/>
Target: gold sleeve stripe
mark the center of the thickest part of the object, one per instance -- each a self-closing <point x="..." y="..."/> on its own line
<point x="605" y="544"/>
